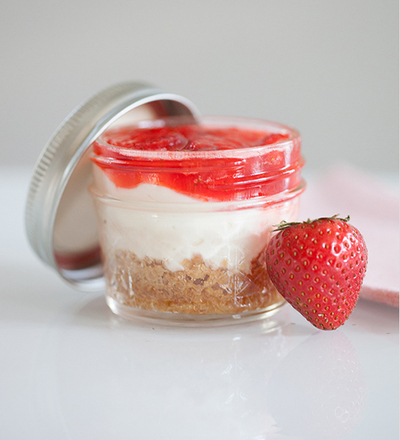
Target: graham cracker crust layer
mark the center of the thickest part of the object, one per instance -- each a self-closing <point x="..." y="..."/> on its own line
<point x="198" y="289"/>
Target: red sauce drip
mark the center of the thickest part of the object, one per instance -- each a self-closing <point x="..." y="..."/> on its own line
<point x="228" y="178"/>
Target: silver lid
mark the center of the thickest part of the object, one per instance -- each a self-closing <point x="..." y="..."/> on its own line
<point x="60" y="217"/>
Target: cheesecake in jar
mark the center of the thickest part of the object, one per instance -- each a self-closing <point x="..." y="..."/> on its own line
<point x="185" y="212"/>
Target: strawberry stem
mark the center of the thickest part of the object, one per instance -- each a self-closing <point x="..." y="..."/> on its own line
<point x="284" y="224"/>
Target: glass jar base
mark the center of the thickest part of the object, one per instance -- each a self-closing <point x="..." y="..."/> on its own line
<point x="187" y="320"/>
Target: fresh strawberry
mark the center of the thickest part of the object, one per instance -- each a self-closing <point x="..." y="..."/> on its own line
<point x="318" y="267"/>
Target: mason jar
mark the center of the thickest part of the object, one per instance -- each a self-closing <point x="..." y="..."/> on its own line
<point x="183" y="232"/>
<point x="174" y="229"/>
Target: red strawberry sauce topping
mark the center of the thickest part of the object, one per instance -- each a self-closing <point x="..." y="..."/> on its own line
<point x="190" y="138"/>
<point x="206" y="162"/>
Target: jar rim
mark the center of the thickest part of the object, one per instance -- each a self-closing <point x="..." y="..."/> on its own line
<point x="217" y="121"/>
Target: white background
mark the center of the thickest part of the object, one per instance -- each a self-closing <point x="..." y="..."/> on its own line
<point x="328" y="68"/>
<point x="71" y="370"/>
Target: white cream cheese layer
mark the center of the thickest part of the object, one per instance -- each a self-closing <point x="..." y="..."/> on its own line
<point x="230" y="238"/>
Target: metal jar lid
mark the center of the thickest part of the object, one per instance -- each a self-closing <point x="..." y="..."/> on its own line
<point x="60" y="216"/>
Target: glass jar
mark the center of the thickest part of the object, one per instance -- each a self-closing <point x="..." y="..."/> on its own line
<point x="183" y="233"/>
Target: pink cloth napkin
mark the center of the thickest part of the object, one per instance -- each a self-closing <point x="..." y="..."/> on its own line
<point x="373" y="207"/>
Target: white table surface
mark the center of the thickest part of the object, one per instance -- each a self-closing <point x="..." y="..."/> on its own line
<point x="70" y="369"/>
